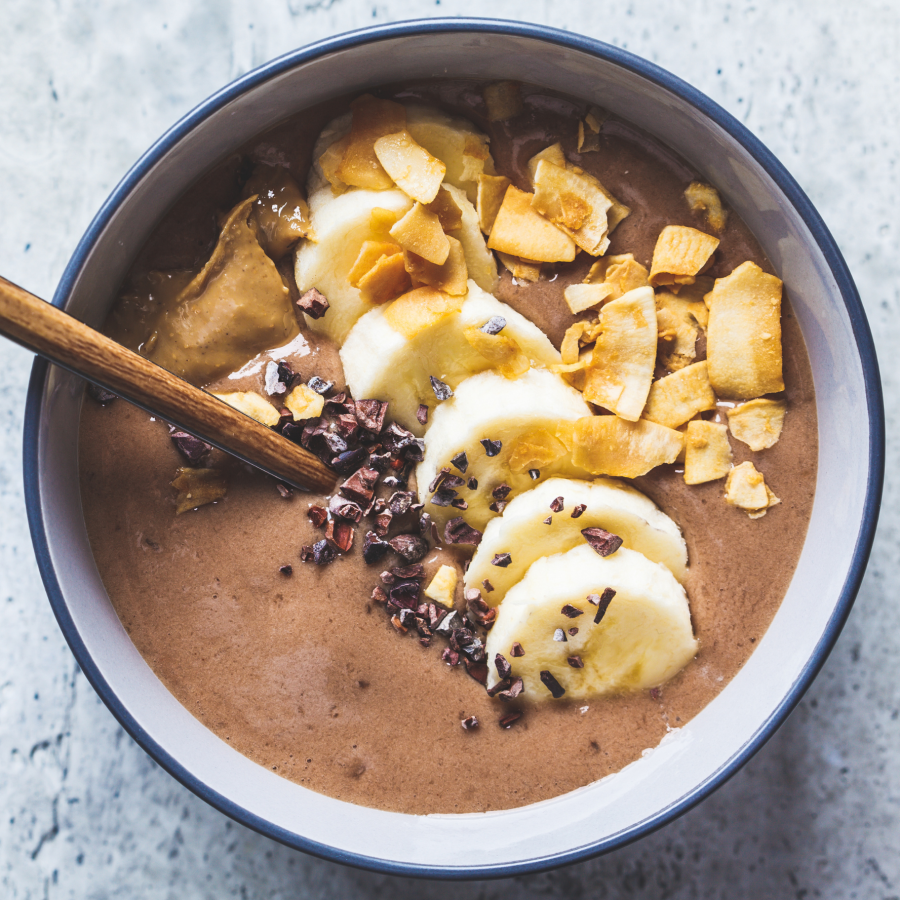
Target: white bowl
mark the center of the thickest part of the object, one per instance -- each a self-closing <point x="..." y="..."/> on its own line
<point x="696" y="759"/>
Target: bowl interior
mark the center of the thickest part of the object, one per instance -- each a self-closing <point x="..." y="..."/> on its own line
<point x="689" y="761"/>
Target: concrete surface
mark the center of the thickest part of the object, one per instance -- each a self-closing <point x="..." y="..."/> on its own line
<point x="84" y="89"/>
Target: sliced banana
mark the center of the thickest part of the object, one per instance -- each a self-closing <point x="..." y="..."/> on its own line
<point x="609" y="504"/>
<point x="342" y="225"/>
<point x="642" y="640"/>
<point x="381" y="362"/>
<point x="493" y="408"/>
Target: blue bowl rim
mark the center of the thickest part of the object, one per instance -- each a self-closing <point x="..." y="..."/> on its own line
<point x="861" y="332"/>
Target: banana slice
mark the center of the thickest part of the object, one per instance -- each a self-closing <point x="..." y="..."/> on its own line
<point x="642" y="640"/>
<point x="521" y="530"/>
<point x="516" y="414"/>
<point x="380" y="361"/>
<point x="342" y="225"/>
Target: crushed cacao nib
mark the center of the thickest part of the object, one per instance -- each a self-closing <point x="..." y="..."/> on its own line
<point x="292" y="431"/>
<point x="477" y="670"/>
<point x="370" y="414"/>
<point x="398" y="624"/>
<point x="603" y="604"/>
<point x="379" y="461"/>
<point x="360" y="486"/>
<point x="504" y="669"/>
<point x="347" y="426"/>
<point x="459" y="503"/>
<point x="438" y="480"/>
<point x="312" y="428"/>
<point x="285" y="417"/>
<point x="498" y="506"/>
<point x="335" y="443"/>
<point x="461" y="461"/>
<point x="393" y="481"/>
<point x="320" y="385"/>
<point x="286" y="374"/>
<point x="441" y="391"/>
<point x="552" y="685"/>
<point x="494" y="325"/>
<point x="313" y="304"/>
<point x="317" y="515"/>
<point x="517" y="650"/>
<point x="488" y="587"/>
<point x="501" y="559"/>
<point x="478" y="611"/>
<point x="374" y="549"/>
<point x="349" y="460"/>
<point x="491" y="448"/>
<point x="422" y="414"/>
<point x="397" y="440"/>
<point x="558" y="504"/>
<point x="338" y="404"/>
<point x="456" y="531"/>
<point x="510" y="719"/>
<point x="472" y="484"/>
<point x="428" y="528"/>
<point x="190" y="447"/>
<point x="415" y="572"/>
<point x="471" y="595"/>
<point x="306" y="553"/>
<point x="575" y="662"/>
<point x="501" y="492"/>
<point x="516" y="686"/>
<point x="573" y="631"/>
<point x="451" y="657"/>
<point x="321" y="553"/>
<point x="443" y="497"/>
<point x="340" y="534"/>
<point x="470" y="723"/>
<point x="400" y="502"/>
<point x="548" y="520"/>
<point x="576" y="513"/>
<point x="501" y="685"/>
<point x="654" y="693"/>
<point x="344" y="508"/>
<point x="535" y="474"/>
<point x="571" y="612"/>
<point x="382" y="523"/>
<point x="410" y="546"/>
<point x="405" y="595"/>
<point x="286" y="570"/>
<point x="379" y="595"/>
<point x="284" y="490"/>
<point x="100" y="395"/>
<point x="448" y="623"/>
<point x="602" y="541"/>
<point x="388" y="578"/>
<point x="274" y="384"/>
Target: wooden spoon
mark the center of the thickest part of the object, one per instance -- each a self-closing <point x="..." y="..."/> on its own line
<point x="62" y="339"/>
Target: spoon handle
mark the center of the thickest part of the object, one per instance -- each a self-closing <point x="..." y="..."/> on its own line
<point x="62" y="339"/>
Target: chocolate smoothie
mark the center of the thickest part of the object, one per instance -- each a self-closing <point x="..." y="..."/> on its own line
<point x="300" y="669"/>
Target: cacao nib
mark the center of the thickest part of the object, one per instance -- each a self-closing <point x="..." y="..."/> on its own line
<point x="415" y="572"/>
<point x="313" y="304"/>
<point x="285" y="373"/>
<point x="292" y="431"/>
<point x="374" y="549"/>
<point x="517" y="650"/>
<point x="510" y="719"/>
<point x="320" y="385"/>
<point x="443" y="497"/>
<point x="603" y="604"/>
<point x="317" y="515"/>
<point x="472" y="484"/>
<point x="504" y="669"/>
<point x="344" y="508"/>
<point x="477" y="670"/>
<point x="405" y="594"/>
<point x="488" y="587"/>
<point x="494" y="325"/>
<point x="448" y="623"/>
<point x="441" y="391"/>
<point x="459" y="503"/>
<point x="573" y="631"/>
<point x="575" y="662"/>
<point x="285" y="417"/>
<point x="100" y="395"/>
<point x="514" y="690"/>
<point x="340" y="534"/>
<point x="286" y="570"/>
<point x="571" y="612"/>
<point x="501" y="559"/>
<point x="379" y="461"/>
<point x="378" y="594"/>
<point x="388" y="578"/>
<point x="383" y="523"/>
<point x="312" y="428"/>
<point x="498" y="506"/>
<point x="558" y="504"/>
<point x="274" y="385"/>
<point x="360" y="486"/>
<point x="438" y="480"/>
<point x="470" y="723"/>
<point x="428" y="528"/>
<point x="347" y="426"/>
<point x="535" y="474"/>
<point x="576" y="513"/>
<point x="501" y="492"/>
<point x="397" y="622"/>
<point x="321" y="553"/>
<point x="410" y="546"/>
<point x="349" y="460"/>
<point x="451" y="657"/>
<point x="461" y="461"/>
<point x="338" y="404"/>
<point x="456" y="531"/>
<point x="190" y="447"/>
<point x="491" y="448"/>
<point x="548" y="520"/>
<point x="370" y="414"/>
<point x="654" y="693"/>
<point x="335" y="443"/>
<point x="501" y="685"/>
<point x="422" y="414"/>
<point x="400" y="502"/>
<point x="552" y="685"/>
<point x="284" y="490"/>
<point x="602" y="541"/>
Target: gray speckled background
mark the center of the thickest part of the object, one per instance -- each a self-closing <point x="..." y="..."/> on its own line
<point x="84" y="89"/>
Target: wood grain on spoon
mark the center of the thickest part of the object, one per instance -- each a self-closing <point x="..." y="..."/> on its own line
<point x="64" y="340"/>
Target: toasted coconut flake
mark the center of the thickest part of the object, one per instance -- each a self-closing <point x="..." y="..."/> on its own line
<point x="304" y="403"/>
<point x="535" y="449"/>
<point x="580" y="297"/>
<point x="620" y="274"/>
<point x="707" y="454"/>
<point x="252" y="404"/>
<point x="588" y="140"/>
<point x="624" y="357"/>
<point x="705" y="198"/>
<point x="197" y="487"/>
<point x="679" y="320"/>
<point x="743" y="344"/>
<point x="573" y="203"/>
<point x="503" y="100"/>
<point x="570" y="348"/>
<point x="420" y="231"/>
<point x="746" y="488"/>
<point x="552" y="154"/>
<point x="369" y="254"/>
<point x="503" y="353"/>
<point x="414" y="170"/>
<point x="678" y="397"/>
<point x="385" y="281"/>
<point x="491" y="191"/>
<point x="372" y="119"/>
<point x="595" y="118"/>
<point x="616" y="212"/>
<point x="451" y="277"/>
<point x="442" y="588"/>
<point x="420" y="309"/>
<point x="522" y="231"/>
<point x="521" y="269"/>
<point x="758" y="423"/>
<point x="330" y="162"/>
<point x="608" y="445"/>
<point x="680" y="255"/>
<point x="447" y="210"/>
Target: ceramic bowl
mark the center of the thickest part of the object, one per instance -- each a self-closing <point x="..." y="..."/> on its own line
<point x="712" y="746"/>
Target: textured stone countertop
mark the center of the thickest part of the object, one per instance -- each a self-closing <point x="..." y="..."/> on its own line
<point x="84" y="89"/>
